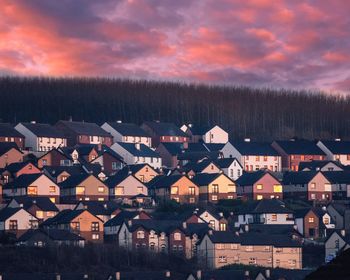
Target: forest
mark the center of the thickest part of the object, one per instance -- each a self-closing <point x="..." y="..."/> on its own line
<point x="261" y="114"/>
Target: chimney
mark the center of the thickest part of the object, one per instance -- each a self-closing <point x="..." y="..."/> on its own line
<point x="237" y="233"/>
<point x="185" y="145"/>
<point x="167" y="274"/>
<point x="246" y="139"/>
<point x="58" y="277"/>
<point x="342" y="232"/>
<point x="119" y="121"/>
<point x="221" y="214"/>
<point x="86" y="276"/>
<point x="337" y="139"/>
<point x="184" y="225"/>
<point x="117" y="275"/>
<point x="190" y="125"/>
<point x="105" y="206"/>
<point x="70" y="119"/>
<point x="267" y="273"/>
<point x="33" y="122"/>
<point x="246" y="227"/>
<point x="130" y="223"/>
<point x="210" y="232"/>
<point x="137" y="146"/>
<point x="199" y="274"/>
<point x="246" y="273"/>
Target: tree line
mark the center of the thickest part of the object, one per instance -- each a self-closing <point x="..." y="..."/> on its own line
<point x="258" y="113"/>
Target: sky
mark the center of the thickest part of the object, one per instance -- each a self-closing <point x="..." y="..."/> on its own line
<point x="259" y="43"/>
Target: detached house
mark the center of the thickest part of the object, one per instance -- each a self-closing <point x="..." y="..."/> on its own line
<point x="258" y="185"/>
<point x="170" y="152"/>
<point x="257" y="155"/>
<point x="230" y="166"/>
<point x="16" y="221"/>
<point x="9" y="134"/>
<point x="137" y="154"/>
<point x="175" y="187"/>
<point x="202" y="166"/>
<point x="336" y="150"/>
<point x="84" y="133"/>
<point x="83" y="187"/>
<point x="109" y="160"/>
<point x="9" y="153"/>
<point x="215" y="186"/>
<point x="164" y="132"/>
<point x="143" y="172"/>
<point x="207" y="134"/>
<point x="320" y="165"/>
<point x="16" y="169"/>
<point x="35" y="185"/>
<point x="41" y="137"/>
<point x="295" y="151"/>
<point x="307" y="185"/>
<point x="127" y="133"/>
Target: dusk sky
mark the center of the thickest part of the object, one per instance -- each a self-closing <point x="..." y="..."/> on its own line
<point x="279" y="43"/>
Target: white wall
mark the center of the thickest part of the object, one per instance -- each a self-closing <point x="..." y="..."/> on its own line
<point x="330" y="156"/>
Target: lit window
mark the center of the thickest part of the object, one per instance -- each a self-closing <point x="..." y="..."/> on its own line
<point x="119" y="191"/>
<point x="215" y="189"/>
<point x="249" y="248"/>
<point x="174" y="190"/>
<point x="80" y="190"/>
<point x="39" y="214"/>
<point x="259" y="187"/>
<point x="277" y="188"/>
<point x="32" y="190"/>
<point x="101" y="189"/>
<point x="140" y="234"/>
<point x="52" y="189"/>
<point x="214" y="197"/>
<point x="222" y="259"/>
<point x="311" y="220"/>
<point x="274" y="217"/>
<point x="95" y="226"/>
<point x="313" y="185"/>
<point x="191" y="191"/>
<point x="139" y="189"/>
<point x="95" y="236"/>
<point x="177" y="236"/>
<point x="259" y="197"/>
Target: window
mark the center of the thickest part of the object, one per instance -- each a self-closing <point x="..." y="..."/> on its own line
<point x="214" y="197"/>
<point x="13" y="225"/>
<point x="95" y="226"/>
<point x="191" y="191"/>
<point x="174" y="190"/>
<point x="220" y="246"/>
<point x="101" y="189"/>
<point x="80" y="190"/>
<point x="152" y="246"/>
<point x="52" y="189"/>
<point x="279" y="250"/>
<point x="249" y="248"/>
<point x="212" y="224"/>
<point x="64" y="178"/>
<point x="267" y="248"/>
<point x="274" y="217"/>
<point x="231" y="173"/>
<point x="139" y="189"/>
<point x="259" y="187"/>
<point x="313" y="196"/>
<point x="215" y="189"/>
<point x="39" y="214"/>
<point x="115" y="165"/>
<point x="231" y="188"/>
<point x="257" y="158"/>
<point x="278" y="262"/>
<point x="326" y="221"/>
<point x="234" y="246"/>
<point x="75" y="226"/>
<point x="32" y="190"/>
<point x="252" y="260"/>
<point x="292" y="262"/>
<point x="101" y="199"/>
<point x="180" y="248"/>
<point x="313" y="185"/>
<point x="222" y="227"/>
<point x="162" y="248"/>
<point x="277" y="188"/>
<point x="311" y="220"/>
<point x="140" y="234"/>
<point x="119" y="191"/>
<point x="95" y="236"/>
<point x="259" y="197"/>
<point x="192" y="200"/>
<point x="222" y="259"/>
<point x="177" y="236"/>
<point x="265" y="158"/>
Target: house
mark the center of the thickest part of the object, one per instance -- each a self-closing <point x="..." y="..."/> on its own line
<point x="109" y="160"/>
<point x="221" y="248"/>
<point x="36" y="185"/>
<point x="267" y="212"/>
<point x="127" y="133"/>
<point x="320" y="165"/>
<point x="16" y="221"/>
<point x="84" y="133"/>
<point x="82" y="153"/>
<point x="143" y="172"/>
<point x="137" y="154"/>
<point x="105" y="210"/>
<point x="79" y="187"/>
<point x="61" y="173"/>
<point x="340" y="181"/>
<point x="169" y="153"/>
<point x="55" y="157"/>
<point x="230" y="166"/>
<point x="258" y="185"/>
<point x="16" y="169"/>
<point x="295" y="151"/>
<point x="216" y="221"/>
<point x="257" y="155"/>
<point x="164" y="132"/>
<point x="313" y="222"/>
<point x="9" y="134"/>
<point x="124" y="186"/>
<point x="307" y="185"/>
<point x="9" y="153"/>
<point x="112" y="226"/>
<point x="80" y="222"/>
<point x="41" y="137"/>
<point x="207" y="134"/>
<point x="340" y="214"/>
<point x="337" y="241"/>
<point x="50" y="237"/>
<point x="336" y="150"/>
<point x="40" y="207"/>
<point x="205" y="165"/>
<point x="174" y="187"/>
<point x="214" y="186"/>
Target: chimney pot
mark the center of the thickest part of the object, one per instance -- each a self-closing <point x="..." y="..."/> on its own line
<point x="184" y="225"/>
<point x="342" y="232"/>
<point x="167" y="274"/>
<point x="58" y="277"/>
<point x="199" y="274"/>
<point x="246" y="139"/>
<point x="246" y="227"/>
<point x="246" y="273"/>
<point x="117" y="275"/>
<point x="267" y="273"/>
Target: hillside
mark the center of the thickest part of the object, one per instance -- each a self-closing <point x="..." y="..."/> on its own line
<point x="261" y="114"/>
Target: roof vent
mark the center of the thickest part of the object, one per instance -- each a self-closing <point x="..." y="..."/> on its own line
<point x="190" y="125"/>
<point x="33" y="122"/>
<point x="167" y="274"/>
<point x="246" y="139"/>
<point x="184" y="225"/>
<point x="119" y="121"/>
<point x="337" y="139"/>
<point x="117" y="275"/>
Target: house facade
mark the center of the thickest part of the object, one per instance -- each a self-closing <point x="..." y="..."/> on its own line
<point x="9" y="153"/>
<point x="336" y="150"/>
<point x="9" y="134"/>
<point x="214" y="134"/>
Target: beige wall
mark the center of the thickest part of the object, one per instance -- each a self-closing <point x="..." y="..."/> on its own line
<point x="11" y="156"/>
<point x="146" y="174"/>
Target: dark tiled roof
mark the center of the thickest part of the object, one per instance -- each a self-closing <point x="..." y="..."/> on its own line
<point x="6" y="146"/>
<point x="300" y="147"/>
<point x="121" y="218"/>
<point x="197" y="147"/>
<point x="85" y="128"/>
<point x="54" y="171"/>
<point x="7" y="213"/>
<point x="43" y="130"/>
<point x="287" y="230"/>
<point x="54" y="234"/>
<point x="224" y="237"/>
<point x="7" y="130"/>
<point x="173" y="148"/>
<point x="271" y="206"/>
<point x="204" y="179"/>
<point x="317" y="164"/>
<point x="144" y="150"/>
<point x="199" y="130"/>
<point x="156" y="225"/>
<point x="337" y="177"/>
<point x="165" y="129"/>
<point x="128" y="129"/>
<point x="42" y="276"/>
<point x="300" y="213"/>
<point x="298" y="178"/>
<point x="74" y="180"/>
<point x="106" y="149"/>
<point x="214" y="147"/>
<point x="99" y="207"/>
<point x="197" y="166"/>
<point x="255" y="148"/>
<point x="277" y="240"/>
<point x="250" y="178"/>
<point x="44" y="203"/>
<point x="164" y="181"/>
<point x="116" y="179"/>
<point x="63" y="217"/>
<point x="337" y="147"/>
<point x="16" y="166"/>
<point x="24" y="180"/>
<point x="226" y="162"/>
<point x="195" y="156"/>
